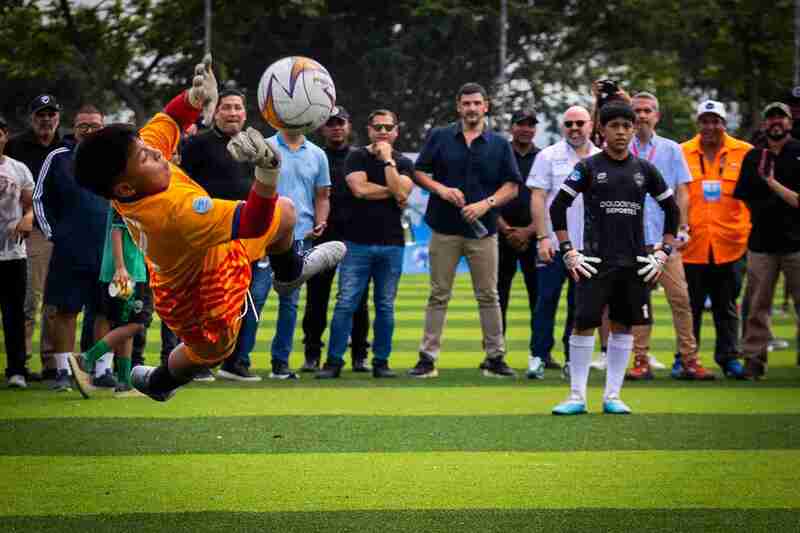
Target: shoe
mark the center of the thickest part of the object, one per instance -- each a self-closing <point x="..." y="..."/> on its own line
<point x="32" y="376"/>
<point x="123" y="390"/>
<point x="237" y="372"/>
<point x="692" y="369"/>
<point x="203" y="375"/>
<point x="565" y="371"/>
<point x="535" y="368"/>
<point x="83" y="381"/>
<point x="777" y="344"/>
<point x="380" y="369"/>
<point x="106" y="380"/>
<point x="17" y="381"/>
<point x="360" y="364"/>
<point x="331" y="369"/>
<point x="497" y="368"/>
<point x="641" y="369"/>
<point x="311" y="364"/>
<point x="140" y="379"/>
<point x="318" y="259"/>
<point x="734" y="369"/>
<point x="281" y="370"/>
<point x="677" y="367"/>
<point x="615" y="406"/>
<point x="551" y="364"/>
<point x="655" y="364"/>
<point x="600" y="364"/>
<point x="425" y="368"/>
<point x="49" y="374"/>
<point x="755" y="368"/>
<point x="63" y="382"/>
<point x="484" y="364"/>
<point x="574" y="405"/>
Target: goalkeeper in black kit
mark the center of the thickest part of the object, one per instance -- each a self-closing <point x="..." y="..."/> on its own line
<point x="614" y="267"/>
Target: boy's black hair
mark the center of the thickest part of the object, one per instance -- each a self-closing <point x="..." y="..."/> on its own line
<point x="102" y="157"/>
<point x="614" y="110"/>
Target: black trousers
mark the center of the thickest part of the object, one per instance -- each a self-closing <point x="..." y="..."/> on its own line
<point x="14" y="274"/>
<point x="315" y="317"/>
<point x="722" y="284"/>
<point x="168" y="342"/>
<point x="507" y="269"/>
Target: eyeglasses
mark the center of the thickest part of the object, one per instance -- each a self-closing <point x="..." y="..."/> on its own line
<point x="382" y="127"/>
<point x="577" y="123"/>
<point x="83" y="127"/>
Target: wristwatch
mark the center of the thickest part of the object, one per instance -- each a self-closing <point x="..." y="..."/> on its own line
<point x="390" y="163"/>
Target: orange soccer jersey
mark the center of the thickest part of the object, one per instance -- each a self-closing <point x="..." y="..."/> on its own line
<point x="199" y="276"/>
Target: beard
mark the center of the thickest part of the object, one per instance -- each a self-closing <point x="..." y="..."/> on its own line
<point x="777" y="134"/>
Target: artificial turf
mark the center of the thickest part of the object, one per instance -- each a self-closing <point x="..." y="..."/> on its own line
<point x="458" y="453"/>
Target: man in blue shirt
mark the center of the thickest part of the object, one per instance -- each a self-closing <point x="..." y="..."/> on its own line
<point x="469" y="172"/>
<point x="667" y="157"/>
<point x="305" y="179"/>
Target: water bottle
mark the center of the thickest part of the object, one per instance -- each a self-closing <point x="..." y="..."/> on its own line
<point x="479" y="229"/>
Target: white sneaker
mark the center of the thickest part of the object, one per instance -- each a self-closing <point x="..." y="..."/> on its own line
<point x="318" y="259"/>
<point x="535" y="368"/>
<point x="655" y="364"/>
<point x="600" y="364"/>
<point x="17" y="381"/>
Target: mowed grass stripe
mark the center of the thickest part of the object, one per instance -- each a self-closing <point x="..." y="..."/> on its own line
<point x="430" y="521"/>
<point x="203" y="400"/>
<point x="365" y="434"/>
<point x="436" y="480"/>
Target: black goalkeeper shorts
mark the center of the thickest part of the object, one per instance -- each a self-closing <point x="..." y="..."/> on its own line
<point x="622" y="289"/>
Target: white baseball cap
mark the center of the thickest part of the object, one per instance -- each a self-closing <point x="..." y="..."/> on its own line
<point x="712" y="106"/>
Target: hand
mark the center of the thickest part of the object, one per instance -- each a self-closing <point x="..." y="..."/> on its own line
<point x="474" y="211"/>
<point x="452" y="195"/>
<point x="204" y="93"/>
<point x="653" y="266"/>
<point x="518" y="238"/>
<point x="579" y="265"/>
<point x="402" y="204"/>
<point x="546" y="252"/>
<point x="121" y="277"/>
<point x="681" y="239"/>
<point x="250" y="146"/>
<point x="381" y="149"/>
<point x="317" y="231"/>
<point x="23" y="227"/>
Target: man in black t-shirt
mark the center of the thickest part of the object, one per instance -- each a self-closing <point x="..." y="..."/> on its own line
<point x="336" y="132"/>
<point x="616" y="267"/>
<point x="380" y="179"/>
<point x="769" y="183"/>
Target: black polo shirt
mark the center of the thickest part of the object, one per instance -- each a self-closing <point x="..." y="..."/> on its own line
<point x="375" y="221"/>
<point x="776" y="224"/>
<point x="206" y="159"/>
<point x="477" y="170"/>
<point x="341" y="199"/>
<point x="517" y="212"/>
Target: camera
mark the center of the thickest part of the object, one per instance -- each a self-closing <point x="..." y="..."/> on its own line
<point x="607" y="91"/>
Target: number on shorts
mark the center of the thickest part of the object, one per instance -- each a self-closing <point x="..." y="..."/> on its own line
<point x="646" y="311"/>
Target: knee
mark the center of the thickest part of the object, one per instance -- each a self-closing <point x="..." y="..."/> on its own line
<point x="487" y="297"/>
<point x="439" y="299"/>
<point x="288" y="214"/>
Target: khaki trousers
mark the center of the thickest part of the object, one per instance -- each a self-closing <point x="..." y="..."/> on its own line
<point x="762" y="276"/>
<point x="677" y="292"/>
<point x="39" y="251"/>
<point x="482" y="258"/>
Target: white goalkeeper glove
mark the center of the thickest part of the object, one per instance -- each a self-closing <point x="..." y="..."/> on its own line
<point x="249" y="146"/>
<point x="653" y="266"/>
<point x="204" y="93"/>
<point x="580" y="265"/>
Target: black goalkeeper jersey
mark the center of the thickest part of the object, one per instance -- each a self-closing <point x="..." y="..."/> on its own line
<point x="613" y="199"/>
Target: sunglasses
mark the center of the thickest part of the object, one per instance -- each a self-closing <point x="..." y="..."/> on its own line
<point x="382" y="127"/>
<point x="577" y="123"/>
<point x="84" y="127"/>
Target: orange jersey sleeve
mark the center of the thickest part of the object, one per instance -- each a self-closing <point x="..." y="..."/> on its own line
<point x="161" y="133"/>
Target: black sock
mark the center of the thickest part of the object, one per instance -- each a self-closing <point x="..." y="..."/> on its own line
<point x="287" y="266"/>
<point x="161" y="380"/>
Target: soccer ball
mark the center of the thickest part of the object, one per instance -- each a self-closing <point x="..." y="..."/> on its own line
<point x="296" y="94"/>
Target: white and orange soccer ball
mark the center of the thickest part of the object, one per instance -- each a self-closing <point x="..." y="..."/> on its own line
<point x="296" y="94"/>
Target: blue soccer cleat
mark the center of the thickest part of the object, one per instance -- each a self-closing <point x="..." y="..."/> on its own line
<point x="615" y="406"/>
<point x="734" y="369"/>
<point x="574" y="405"/>
<point x="677" y="367"/>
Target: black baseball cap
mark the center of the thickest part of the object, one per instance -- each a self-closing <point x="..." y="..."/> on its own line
<point x="519" y="116"/>
<point x="340" y="113"/>
<point x="44" y="101"/>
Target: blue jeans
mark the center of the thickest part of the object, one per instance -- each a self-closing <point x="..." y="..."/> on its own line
<point x="385" y="265"/>
<point x="259" y="288"/>
<point x="550" y="278"/>
<point x="287" y="315"/>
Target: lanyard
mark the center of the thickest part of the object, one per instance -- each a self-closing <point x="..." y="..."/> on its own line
<point x="703" y="164"/>
<point x="650" y="155"/>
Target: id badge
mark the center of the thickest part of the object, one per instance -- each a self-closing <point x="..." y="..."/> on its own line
<point x="712" y="191"/>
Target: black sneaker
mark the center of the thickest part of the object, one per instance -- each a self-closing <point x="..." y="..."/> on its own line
<point x="425" y="368"/>
<point x="551" y="364"/>
<point x="281" y="370"/>
<point x="106" y="380"/>
<point x="360" y="364"/>
<point x="331" y="369"/>
<point x="49" y="374"/>
<point x="204" y="375"/>
<point x="497" y="368"/>
<point x="63" y="381"/>
<point x="380" y="369"/>
<point x="484" y="364"/>
<point x="236" y="372"/>
<point x="311" y="364"/>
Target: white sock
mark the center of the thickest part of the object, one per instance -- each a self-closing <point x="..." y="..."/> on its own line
<point x="580" y="357"/>
<point x="103" y="364"/>
<point x="61" y="361"/>
<point x="619" y="353"/>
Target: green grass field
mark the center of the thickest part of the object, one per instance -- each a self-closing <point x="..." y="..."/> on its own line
<point x="458" y="453"/>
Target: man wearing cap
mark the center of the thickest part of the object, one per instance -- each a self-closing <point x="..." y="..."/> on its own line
<point x="336" y="132"/>
<point x="668" y="158"/>
<point x="516" y="231"/>
<point x="769" y="184"/>
<point x="31" y="147"/>
<point x="719" y="225"/>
